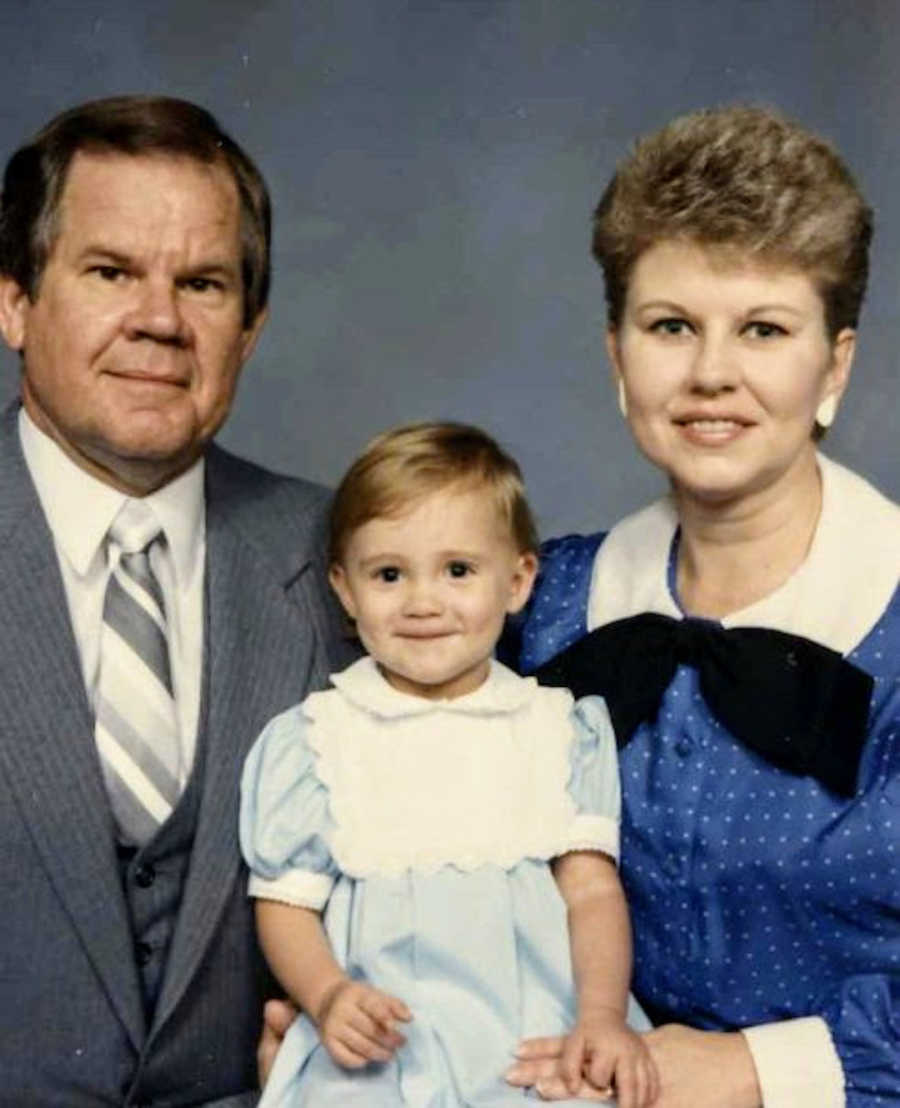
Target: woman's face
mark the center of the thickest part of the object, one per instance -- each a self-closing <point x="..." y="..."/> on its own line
<point x="723" y="368"/>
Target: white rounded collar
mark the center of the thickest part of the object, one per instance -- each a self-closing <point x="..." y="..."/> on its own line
<point x="834" y="598"/>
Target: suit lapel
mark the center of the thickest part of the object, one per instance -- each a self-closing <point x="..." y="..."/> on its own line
<point x="259" y="656"/>
<point x="47" y="749"/>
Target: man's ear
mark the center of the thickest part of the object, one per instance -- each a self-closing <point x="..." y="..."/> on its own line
<point x="14" y="306"/>
<point x="338" y="580"/>
<point x="252" y="333"/>
<point x="522" y="581"/>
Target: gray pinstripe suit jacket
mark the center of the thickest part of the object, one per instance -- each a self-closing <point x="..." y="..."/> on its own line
<point x="72" y="1028"/>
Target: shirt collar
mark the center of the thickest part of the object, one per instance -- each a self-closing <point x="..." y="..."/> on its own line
<point x="834" y="598"/>
<point x="364" y="686"/>
<point x="80" y="508"/>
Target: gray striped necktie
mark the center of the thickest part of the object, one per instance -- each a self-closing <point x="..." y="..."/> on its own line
<point x="136" y="722"/>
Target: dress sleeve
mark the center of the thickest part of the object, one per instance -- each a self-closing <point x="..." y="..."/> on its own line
<point x="851" y="1050"/>
<point x="285" y="823"/>
<point x="594" y="781"/>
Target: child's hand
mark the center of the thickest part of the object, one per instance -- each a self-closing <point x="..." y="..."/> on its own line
<point x="357" y="1023"/>
<point x="603" y="1049"/>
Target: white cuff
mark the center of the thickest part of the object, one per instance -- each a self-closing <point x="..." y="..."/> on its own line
<point x="588" y="832"/>
<point x="796" y="1063"/>
<point x="300" y="888"/>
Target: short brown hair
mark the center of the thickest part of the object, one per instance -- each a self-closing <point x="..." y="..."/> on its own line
<point x="36" y="175"/>
<point x="748" y="181"/>
<point x="401" y="466"/>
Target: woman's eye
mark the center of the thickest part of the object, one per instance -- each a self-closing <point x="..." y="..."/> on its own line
<point x="459" y="569"/>
<point x="670" y="326"/>
<point x="760" y="329"/>
<point x="388" y="574"/>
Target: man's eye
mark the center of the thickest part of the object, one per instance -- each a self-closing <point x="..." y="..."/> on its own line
<point x="388" y="573"/>
<point x="202" y="284"/>
<point x="108" y="272"/>
<point x="459" y="569"/>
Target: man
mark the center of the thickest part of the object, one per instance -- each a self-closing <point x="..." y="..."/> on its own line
<point x="136" y="672"/>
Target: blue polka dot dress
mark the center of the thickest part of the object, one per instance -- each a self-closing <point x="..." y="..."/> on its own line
<point x="758" y="895"/>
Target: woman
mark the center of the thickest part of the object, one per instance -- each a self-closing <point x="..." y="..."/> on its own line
<point x="760" y="766"/>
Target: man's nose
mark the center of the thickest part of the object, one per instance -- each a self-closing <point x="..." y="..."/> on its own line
<point x="156" y="313"/>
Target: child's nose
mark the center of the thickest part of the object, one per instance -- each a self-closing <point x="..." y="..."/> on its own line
<point x="423" y="599"/>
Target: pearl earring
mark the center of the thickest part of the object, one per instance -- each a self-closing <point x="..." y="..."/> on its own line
<point x="826" y="411"/>
<point x="623" y="399"/>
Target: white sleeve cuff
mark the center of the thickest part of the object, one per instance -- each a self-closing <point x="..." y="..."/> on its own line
<point x="588" y="832"/>
<point x="796" y="1063"/>
<point x="300" y="888"/>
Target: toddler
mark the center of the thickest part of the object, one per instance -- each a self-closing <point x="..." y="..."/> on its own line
<point x="432" y="841"/>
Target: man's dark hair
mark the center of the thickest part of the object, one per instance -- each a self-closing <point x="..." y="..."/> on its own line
<point x="36" y="175"/>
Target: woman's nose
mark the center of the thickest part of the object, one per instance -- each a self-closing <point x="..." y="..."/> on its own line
<point x="715" y="365"/>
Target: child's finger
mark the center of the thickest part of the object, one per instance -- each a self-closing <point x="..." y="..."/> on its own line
<point x="343" y="1055"/>
<point x="626" y="1084"/>
<point x="599" y="1068"/>
<point x="571" y="1064"/>
<point x="364" y="1024"/>
<point x="362" y="1044"/>
<point x="381" y="1023"/>
<point x="398" y="1009"/>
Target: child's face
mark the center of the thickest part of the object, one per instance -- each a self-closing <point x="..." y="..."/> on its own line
<point x="429" y="590"/>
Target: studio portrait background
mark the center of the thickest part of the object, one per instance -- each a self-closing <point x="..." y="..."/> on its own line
<point x="434" y="165"/>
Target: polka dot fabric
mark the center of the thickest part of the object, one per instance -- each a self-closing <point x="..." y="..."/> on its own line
<point x="756" y="895"/>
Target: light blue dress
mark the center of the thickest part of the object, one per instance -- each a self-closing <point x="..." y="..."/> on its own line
<point x="424" y="829"/>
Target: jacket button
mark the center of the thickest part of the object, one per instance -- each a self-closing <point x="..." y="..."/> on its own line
<point x="145" y="875"/>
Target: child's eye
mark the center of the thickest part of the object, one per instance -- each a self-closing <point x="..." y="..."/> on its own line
<point x="459" y="569"/>
<point x="388" y="574"/>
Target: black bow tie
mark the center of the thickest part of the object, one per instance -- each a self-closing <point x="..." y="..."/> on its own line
<point x="798" y="704"/>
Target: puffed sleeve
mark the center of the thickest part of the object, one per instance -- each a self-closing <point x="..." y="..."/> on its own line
<point x="851" y="1050"/>
<point x="594" y="780"/>
<point x="285" y="823"/>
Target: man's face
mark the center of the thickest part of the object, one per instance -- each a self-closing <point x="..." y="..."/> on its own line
<point x="133" y="344"/>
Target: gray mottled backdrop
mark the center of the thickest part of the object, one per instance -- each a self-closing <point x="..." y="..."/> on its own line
<point x="433" y="166"/>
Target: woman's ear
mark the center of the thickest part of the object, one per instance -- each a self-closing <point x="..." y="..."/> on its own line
<point x="835" y="380"/>
<point x="612" y="352"/>
<point x="522" y="581"/>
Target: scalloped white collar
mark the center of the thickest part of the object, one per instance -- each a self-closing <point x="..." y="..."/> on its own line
<point x="363" y="685"/>
<point x="835" y="597"/>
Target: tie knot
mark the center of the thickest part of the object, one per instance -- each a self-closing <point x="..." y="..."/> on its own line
<point x="135" y="527"/>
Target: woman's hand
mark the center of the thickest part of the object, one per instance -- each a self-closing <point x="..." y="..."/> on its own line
<point x="278" y="1015"/>
<point x="697" y="1069"/>
<point x="358" y="1024"/>
<point x="603" y="1051"/>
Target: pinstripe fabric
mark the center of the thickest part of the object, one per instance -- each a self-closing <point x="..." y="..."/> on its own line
<point x="136" y="728"/>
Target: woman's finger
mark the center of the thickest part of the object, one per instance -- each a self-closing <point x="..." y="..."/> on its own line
<point x="547" y="1047"/>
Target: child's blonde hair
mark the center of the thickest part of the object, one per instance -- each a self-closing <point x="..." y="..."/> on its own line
<point x="401" y="466"/>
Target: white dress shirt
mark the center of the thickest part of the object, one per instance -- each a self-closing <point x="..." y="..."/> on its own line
<point x="79" y="510"/>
